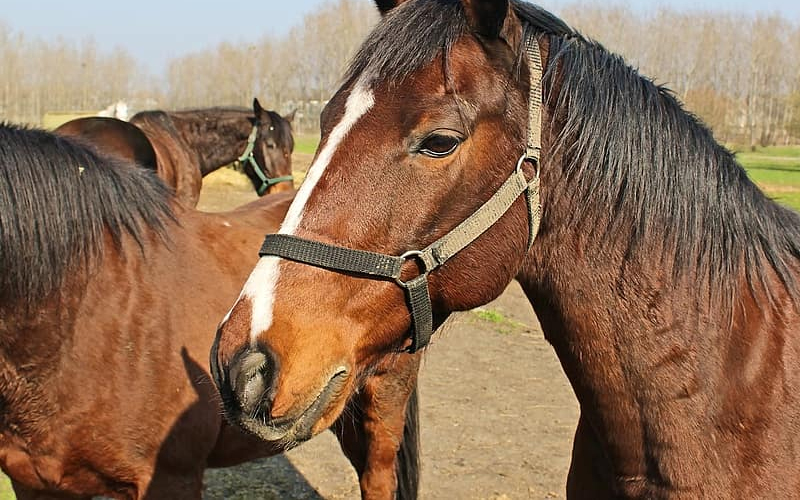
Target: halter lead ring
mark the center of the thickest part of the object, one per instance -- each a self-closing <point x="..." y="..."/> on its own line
<point x="380" y="266"/>
<point x="247" y="157"/>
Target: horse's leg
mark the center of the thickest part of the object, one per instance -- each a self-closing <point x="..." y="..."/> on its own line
<point x="585" y="479"/>
<point x="378" y="431"/>
<point x="183" y="486"/>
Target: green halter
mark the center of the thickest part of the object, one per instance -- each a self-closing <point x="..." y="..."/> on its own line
<point x="247" y="156"/>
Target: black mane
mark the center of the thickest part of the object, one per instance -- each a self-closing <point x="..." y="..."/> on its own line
<point x="410" y="36"/>
<point x="57" y="201"/>
<point x="637" y="159"/>
<point x="656" y="174"/>
<point x="195" y="120"/>
<point x="212" y="120"/>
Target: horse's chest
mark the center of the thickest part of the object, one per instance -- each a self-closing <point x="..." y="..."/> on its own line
<point x="18" y="464"/>
<point x="50" y="473"/>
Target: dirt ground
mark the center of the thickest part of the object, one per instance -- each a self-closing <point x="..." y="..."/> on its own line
<point x="496" y="412"/>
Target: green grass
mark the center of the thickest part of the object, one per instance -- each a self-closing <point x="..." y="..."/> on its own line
<point x="306" y="143"/>
<point x="490" y="316"/>
<point x="496" y="318"/>
<point x="777" y="171"/>
<point x="6" y="492"/>
<point x="785" y="151"/>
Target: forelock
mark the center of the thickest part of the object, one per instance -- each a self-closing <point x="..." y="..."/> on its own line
<point x="408" y="38"/>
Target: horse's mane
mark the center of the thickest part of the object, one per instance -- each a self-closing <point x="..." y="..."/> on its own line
<point x="662" y="181"/>
<point x="187" y="124"/>
<point x="411" y="35"/>
<point x="211" y="113"/>
<point x="654" y="172"/>
<point x="208" y="119"/>
<point x="57" y="201"/>
<point x="283" y="129"/>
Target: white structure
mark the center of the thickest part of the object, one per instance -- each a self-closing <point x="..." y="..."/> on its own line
<point x="117" y="110"/>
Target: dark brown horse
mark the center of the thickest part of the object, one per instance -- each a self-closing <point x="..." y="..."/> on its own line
<point x="185" y="146"/>
<point x="114" y="137"/>
<point x="665" y="280"/>
<point x="109" y="295"/>
<point x="191" y="144"/>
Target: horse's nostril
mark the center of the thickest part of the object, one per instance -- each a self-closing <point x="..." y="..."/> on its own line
<point x="252" y="393"/>
<point x="252" y="377"/>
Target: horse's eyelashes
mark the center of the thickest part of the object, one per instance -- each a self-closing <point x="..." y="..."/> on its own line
<point x="439" y="146"/>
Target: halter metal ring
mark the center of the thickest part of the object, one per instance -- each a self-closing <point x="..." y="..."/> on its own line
<point x="415" y="255"/>
<point x="534" y="162"/>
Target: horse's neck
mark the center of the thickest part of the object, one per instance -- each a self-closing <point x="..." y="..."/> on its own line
<point x="263" y="215"/>
<point x="217" y="142"/>
<point x="31" y="354"/>
<point x="25" y="405"/>
<point x="648" y="355"/>
<point x="23" y="399"/>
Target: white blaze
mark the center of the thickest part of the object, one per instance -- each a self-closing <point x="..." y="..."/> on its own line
<point x="260" y="286"/>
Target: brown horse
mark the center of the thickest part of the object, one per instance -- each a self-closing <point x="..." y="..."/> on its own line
<point x="112" y="136"/>
<point x="109" y="295"/>
<point x="185" y="146"/>
<point x="665" y="280"/>
<point x="191" y="144"/>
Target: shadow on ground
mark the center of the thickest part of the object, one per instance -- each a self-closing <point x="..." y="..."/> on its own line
<point x="273" y="478"/>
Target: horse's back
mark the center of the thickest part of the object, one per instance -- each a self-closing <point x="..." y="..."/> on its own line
<point x="113" y="137"/>
<point x="178" y="164"/>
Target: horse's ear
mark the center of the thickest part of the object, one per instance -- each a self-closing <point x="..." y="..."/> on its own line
<point x="257" y="109"/>
<point x="386" y="5"/>
<point x="290" y="117"/>
<point x="486" y="17"/>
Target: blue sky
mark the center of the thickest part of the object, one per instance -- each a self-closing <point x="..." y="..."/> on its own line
<point x="155" y="30"/>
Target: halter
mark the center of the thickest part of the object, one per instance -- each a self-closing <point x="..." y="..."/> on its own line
<point x="380" y="266"/>
<point x="247" y="156"/>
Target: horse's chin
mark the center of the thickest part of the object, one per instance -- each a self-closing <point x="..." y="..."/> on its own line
<point x="317" y="416"/>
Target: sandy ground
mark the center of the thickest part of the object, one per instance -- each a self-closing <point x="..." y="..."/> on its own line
<point x="497" y="414"/>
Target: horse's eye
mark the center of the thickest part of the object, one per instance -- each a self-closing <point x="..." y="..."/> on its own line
<point x="439" y="146"/>
<point x="272" y="145"/>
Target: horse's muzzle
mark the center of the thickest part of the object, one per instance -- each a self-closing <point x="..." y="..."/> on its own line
<point x="247" y="385"/>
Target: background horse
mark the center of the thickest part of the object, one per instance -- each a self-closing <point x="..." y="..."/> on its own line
<point x="665" y="280"/>
<point x="191" y="144"/>
<point x="109" y="296"/>
<point x="185" y="146"/>
<point x="113" y="137"/>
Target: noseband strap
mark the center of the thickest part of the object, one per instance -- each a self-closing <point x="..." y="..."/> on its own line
<point x="248" y="157"/>
<point x="388" y="267"/>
